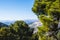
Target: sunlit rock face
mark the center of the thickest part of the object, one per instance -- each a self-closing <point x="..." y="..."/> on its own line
<point x="35" y="25"/>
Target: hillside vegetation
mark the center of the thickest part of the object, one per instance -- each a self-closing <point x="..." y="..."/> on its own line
<point x="17" y="31"/>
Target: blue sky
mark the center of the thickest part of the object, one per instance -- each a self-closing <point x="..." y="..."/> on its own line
<point x="16" y="10"/>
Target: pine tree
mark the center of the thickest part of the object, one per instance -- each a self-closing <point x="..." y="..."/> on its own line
<point x="48" y="12"/>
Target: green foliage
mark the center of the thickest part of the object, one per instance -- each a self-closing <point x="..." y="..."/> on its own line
<point x="22" y="30"/>
<point x="17" y="31"/>
<point x="45" y="6"/>
<point x="48" y="12"/>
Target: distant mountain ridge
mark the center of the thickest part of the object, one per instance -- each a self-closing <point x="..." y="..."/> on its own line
<point x="8" y="22"/>
<point x="30" y="21"/>
<point x="3" y="25"/>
